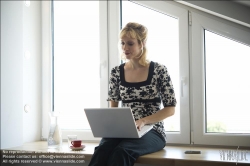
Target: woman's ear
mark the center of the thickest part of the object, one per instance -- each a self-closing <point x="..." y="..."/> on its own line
<point x="142" y="45"/>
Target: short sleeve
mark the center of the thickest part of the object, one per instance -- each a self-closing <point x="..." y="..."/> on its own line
<point x="114" y="82"/>
<point x="165" y="87"/>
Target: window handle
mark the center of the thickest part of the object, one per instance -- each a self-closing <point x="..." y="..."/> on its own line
<point x="183" y="83"/>
<point x="102" y="64"/>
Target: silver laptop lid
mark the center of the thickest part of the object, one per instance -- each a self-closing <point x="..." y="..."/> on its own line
<point x="112" y="122"/>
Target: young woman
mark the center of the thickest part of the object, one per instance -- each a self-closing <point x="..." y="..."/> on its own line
<point x="141" y="85"/>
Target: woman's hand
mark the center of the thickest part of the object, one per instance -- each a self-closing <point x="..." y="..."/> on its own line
<point x="139" y="124"/>
<point x="159" y="116"/>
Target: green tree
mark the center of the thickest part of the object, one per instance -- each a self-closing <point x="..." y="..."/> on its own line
<point x="216" y="127"/>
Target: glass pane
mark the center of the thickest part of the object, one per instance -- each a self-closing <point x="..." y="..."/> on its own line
<point x="76" y="80"/>
<point x="162" y="44"/>
<point x="227" y="85"/>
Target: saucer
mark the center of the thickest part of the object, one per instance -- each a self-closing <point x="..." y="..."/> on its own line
<point x="77" y="148"/>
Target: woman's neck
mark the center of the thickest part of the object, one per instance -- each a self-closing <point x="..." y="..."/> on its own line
<point x="134" y="64"/>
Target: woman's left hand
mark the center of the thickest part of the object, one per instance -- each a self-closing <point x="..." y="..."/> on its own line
<point x="139" y="124"/>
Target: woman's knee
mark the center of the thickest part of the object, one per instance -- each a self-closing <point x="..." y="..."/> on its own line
<point x="119" y="150"/>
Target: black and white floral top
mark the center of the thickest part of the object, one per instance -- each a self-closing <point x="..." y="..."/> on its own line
<point x="144" y="98"/>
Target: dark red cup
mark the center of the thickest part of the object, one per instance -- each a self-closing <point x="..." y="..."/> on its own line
<point x="76" y="143"/>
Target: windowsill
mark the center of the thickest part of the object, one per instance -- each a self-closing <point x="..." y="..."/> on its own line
<point x="170" y="155"/>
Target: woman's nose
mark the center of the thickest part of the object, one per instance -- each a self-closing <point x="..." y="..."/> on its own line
<point x="124" y="47"/>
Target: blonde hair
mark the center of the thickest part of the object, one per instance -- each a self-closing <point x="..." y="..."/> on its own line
<point x="139" y="32"/>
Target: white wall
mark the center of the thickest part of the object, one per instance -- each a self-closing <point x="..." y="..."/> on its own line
<point x="11" y="74"/>
<point x="20" y="77"/>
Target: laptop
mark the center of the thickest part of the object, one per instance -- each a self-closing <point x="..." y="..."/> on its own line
<point x="115" y="122"/>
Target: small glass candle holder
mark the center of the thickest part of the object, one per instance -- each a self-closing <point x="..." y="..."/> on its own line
<point x="71" y="138"/>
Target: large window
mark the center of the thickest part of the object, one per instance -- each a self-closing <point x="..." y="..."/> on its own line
<point x="76" y="61"/>
<point x="207" y="58"/>
<point x="166" y="46"/>
<point x="80" y="71"/>
<point x="79" y="63"/>
<point x="220" y="88"/>
<point x="227" y="85"/>
<point x="162" y="44"/>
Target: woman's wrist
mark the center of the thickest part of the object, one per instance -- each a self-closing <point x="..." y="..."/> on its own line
<point x="144" y="121"/>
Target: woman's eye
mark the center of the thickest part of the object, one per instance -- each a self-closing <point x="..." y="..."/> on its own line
<point x="129" y="44"/>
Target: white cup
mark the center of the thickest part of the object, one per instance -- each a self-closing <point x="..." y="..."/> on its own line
<point x="71" y="138"/>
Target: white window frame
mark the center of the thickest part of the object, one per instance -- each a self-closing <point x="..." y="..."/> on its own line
<point x="224" y="28"/>
<point x="191" y="54"/>
<point x="85" y="135"/>
<point x="110" y="21"/>
<point x="182" y="137"/>
<point x="46" y="67"/>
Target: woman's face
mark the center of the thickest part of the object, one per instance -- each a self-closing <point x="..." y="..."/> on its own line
<point x="130" y="47"/>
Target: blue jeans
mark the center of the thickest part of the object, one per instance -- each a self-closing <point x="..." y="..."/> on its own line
<point x="125" y="151"/>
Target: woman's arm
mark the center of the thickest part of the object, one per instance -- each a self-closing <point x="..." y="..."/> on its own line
<point x="166" y="90"/>
<point x="113" y="104"/>
<point x="159" y="116"/>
